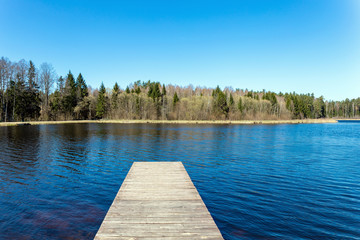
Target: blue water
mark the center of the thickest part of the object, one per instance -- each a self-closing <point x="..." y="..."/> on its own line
<point x="258" y="182"/>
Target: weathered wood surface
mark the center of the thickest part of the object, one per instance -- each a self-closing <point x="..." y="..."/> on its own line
<point x="158" y="200"/>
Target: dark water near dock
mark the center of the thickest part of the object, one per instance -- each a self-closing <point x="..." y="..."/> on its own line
<point x="258" y="182"/>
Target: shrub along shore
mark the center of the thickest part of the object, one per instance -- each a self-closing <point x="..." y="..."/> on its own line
<point x="220" y="122"/>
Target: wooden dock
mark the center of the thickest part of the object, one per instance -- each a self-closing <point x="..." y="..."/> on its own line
<point x="158" y="200"/>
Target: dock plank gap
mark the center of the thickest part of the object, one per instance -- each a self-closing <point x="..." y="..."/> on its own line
<point x="158" y="200"/>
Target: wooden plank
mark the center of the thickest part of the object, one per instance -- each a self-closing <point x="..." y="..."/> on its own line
<point x="158" y="200"/>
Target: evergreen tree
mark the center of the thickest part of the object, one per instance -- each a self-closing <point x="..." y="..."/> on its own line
<point x="101" y="102"/>
<point x="56" y="104"/>
<point x="114" y="96"/>
<point x="116" y="88"/>
<point x="31" y="75"/>
<point x="82" y="90"/>
<point x="138" y="90"/>
<point x="127" y="90"/>
<point x="32" y="95"/>
<point x="163" y="102"/>
<point x="240" y="105"/>
<point x="175" y="99"/>
<point x="231" y="100"/>
<point x="10" y="101"/>
<point x="82" y="105"/>
<point x="20" y="98"/>
<point x="163" y="90"/>
<point x="154" y="91"/>
<point x="57" y="99"/>
<point x="220" y="105"/>
<point x="155" y="94"/>
<point x="319" y="108"/>
<point x="70" y="95"/>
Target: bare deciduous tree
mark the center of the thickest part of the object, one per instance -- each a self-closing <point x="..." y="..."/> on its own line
<point x="47" y="79"/>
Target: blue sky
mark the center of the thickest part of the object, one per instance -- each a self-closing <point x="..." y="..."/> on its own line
<point x="305" y="46"/>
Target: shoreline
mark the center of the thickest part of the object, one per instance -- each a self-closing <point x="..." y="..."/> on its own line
<point x="216" y="122"/>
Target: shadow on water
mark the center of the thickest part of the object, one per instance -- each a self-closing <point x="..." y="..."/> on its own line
<point x="23" y="140"/>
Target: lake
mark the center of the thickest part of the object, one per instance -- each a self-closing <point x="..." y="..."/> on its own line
<point x="258" y="181"/>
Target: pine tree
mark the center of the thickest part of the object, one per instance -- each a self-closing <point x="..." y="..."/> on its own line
<point x="70" y="95"/>
<point x="220" y="105"/>
<point x="231" y="100"/>
<point x="82" y="90"/>
<point x="31" y="75"/>
<point x="101" y="102"/>
<point x="56" y="104"/>
<point x="240" y="105"/>
<point x="163" y="90"/>
<point x="32" y="95"/>
<point x="114" y="96"/>
<point x="116" y="88"/>
<point x="175" y="99"/>
<point x="11" y="96"/>
<point x="163" y="102"/>
<point x="155" y="94"/>
<point x="154" y="91"/>
<point x="138" y="90"/>
<point x="82" y="105"/>
<point x="20" y="102"/>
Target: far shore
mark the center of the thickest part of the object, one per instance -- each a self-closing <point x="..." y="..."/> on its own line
<point x="220" y="122"/>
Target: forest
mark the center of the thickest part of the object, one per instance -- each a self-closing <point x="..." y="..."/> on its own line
<point x="28" y="93"/>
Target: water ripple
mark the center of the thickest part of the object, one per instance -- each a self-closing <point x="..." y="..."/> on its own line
<point x="258" y="182"/>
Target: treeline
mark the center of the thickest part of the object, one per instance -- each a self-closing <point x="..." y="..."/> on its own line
<point x="29" y="93"/>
